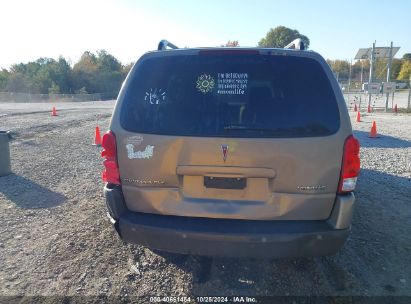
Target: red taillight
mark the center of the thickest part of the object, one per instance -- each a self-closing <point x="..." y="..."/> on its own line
<point x="111" y="173"/>
<point x="350" y="165"/>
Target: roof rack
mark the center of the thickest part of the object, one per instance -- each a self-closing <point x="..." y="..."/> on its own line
<point x="164" y="44"/>
<point x="297" y="44"/>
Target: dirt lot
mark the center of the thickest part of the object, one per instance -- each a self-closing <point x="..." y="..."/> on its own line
<point x="55" y="238"/>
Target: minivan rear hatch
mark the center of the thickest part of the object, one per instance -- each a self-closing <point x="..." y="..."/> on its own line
<point x="226" y="134"/>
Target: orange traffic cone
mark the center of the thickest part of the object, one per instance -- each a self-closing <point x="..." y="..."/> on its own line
<point x="358" y="116"/>
<point x="54" y="111"/>
<point x="355" y="107"/>
<point x="373" y="132"/>
<point x="97" y="137"/>
<point x="395" y="109"/>
<point x="369" y="109"/>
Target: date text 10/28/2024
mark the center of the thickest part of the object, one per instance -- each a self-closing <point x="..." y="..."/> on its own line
<point x="204" y="299"/>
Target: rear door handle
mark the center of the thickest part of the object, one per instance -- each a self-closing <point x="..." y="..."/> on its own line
<point x="225" y="171"/>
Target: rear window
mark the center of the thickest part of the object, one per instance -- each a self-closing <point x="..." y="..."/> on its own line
<point x="230" y="95"/>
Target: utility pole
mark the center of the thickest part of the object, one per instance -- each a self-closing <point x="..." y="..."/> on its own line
<point x="361" y="89"/>
<point x="371" y="71"/>
<point x="362" y="69"/>
<point x="409" y="97"/>
<point x="388" y="77"/>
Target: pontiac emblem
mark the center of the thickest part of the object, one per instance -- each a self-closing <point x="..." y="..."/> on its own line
<point x="224" y="148"/>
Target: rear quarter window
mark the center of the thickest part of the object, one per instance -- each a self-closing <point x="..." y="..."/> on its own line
<point x="230" y="95"/>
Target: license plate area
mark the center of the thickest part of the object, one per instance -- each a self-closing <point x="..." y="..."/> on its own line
<point x="236" y="183"/>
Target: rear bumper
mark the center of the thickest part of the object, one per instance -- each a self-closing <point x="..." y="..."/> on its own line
<point x="227" y="237"/>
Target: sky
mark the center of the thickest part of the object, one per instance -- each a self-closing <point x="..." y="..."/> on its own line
<point x="127" y="29"/>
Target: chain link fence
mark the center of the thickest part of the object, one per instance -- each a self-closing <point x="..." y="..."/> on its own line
<point x="399" y="98"/>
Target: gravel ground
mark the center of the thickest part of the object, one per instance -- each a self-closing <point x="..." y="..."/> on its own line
<point x="55" y="238"/>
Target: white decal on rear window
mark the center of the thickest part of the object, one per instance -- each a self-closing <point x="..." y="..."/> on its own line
<point x="137" y="140"/>
<point x="205" y="83"/>
<point x="146" y="153"/>
<point x="155" y="96"/>
<point x="232" y="83"/>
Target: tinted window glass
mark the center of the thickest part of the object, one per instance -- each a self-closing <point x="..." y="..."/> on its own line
<point x="244" y="95"/>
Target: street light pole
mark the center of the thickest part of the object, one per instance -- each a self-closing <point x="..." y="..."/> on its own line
<point x="362" y="69"/>
<point x="388" y="77"/>
<point x="361" y="88"/>
<point x="371" y="71"/>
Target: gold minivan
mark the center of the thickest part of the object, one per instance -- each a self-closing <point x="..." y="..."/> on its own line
<point x="231" y="152"/>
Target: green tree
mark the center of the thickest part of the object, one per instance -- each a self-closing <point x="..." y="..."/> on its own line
<point x="18" y="82"/>
<point x="109" y="74"/>
<point x="280" y="36"/>
<point x="357" y="67"/>
<point x="39" y="75"/>
<point x="395" y="68"/>
<point x="380" y="69"/>
<point x="84" y="73"/>
<point x="23" y="77"/>
<point x="101" y="73"/>
<point x="340" y="68"/>
<point x="126" y="69"/>
<point x="4" y="78"/>
<point x="107" y="62"/>
<point x="87" y="62"/>
<point x="60" y="73"/>
<point x="54" y="89"/>
<point x="405" y="71"/>
<point x="406" y="56"/>
<point x="93" y="73"/>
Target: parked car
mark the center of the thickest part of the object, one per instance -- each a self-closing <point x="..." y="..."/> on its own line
<point x="231" y="152"/>
<point x="401" y="85"/>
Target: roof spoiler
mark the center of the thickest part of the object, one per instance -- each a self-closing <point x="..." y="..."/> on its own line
<point x="164" y="44"/>
<point x="297" y="44"/>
